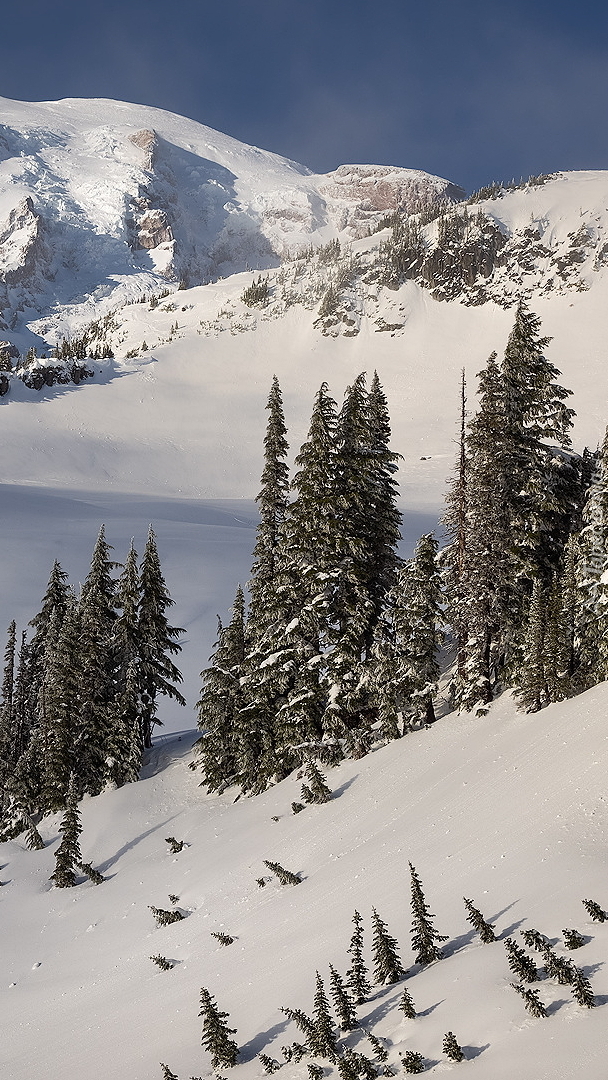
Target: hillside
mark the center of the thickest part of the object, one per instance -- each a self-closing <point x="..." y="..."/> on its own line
<point x="510" y="814"/>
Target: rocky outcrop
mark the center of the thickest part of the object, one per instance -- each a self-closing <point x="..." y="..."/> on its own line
<point x="147" y="141"/>
<point x="360" y="196"/>
<point x="23" y="250"/>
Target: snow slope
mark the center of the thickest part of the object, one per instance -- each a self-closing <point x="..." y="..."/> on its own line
<point x="508" y="810"/>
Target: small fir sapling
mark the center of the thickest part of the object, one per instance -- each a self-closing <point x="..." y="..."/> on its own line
<point x="531" y="998"/>
<point x="535" y="940"/>
<point x="167" y="1074"/>
<point x="385" y="954"/>
<point x="380" y="1050"/>
<point x="216" y="1033"/>
<point x="558" y="967"/>
<point x="483" y="928"/>
<point x="315" y="1072"/>
<point x="295" y="1051"/>
<point x="173" y="899"/>
<point x="297" y="807"/>
<point x="451" y="1048"/>
<point x="92" y="874"/>
<point x="582" y="990"/>
<point x="324" y="1043"/>
<point x="163" y="918"/>
<point x="224" y="939"/>
<point x="406" y="1005"/>
<point x="412" y="1061"/>
<point x="270" y="1065"/>
<point x="33" y="839"/>
<point x="356" y="976"/>
<point x="285" y="876"/>
<point x="351" y="1064"/>
<point x="68" y="854"/>
<point x="261" y="882"/>
<point x="343" y="1006"/>
<point x="175" y="846"/>
<point x="316" y="791"/>
<point x="572" y="939"/>
<point x="594" y="910"/>
<point x="162" y="962"/>
<point x="520" y="963"/>
<point x="303" y="1022"/>
<point x="348" y="1068"/>
<point x="424" y="934"/>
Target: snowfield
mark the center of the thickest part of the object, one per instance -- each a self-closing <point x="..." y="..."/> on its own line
<point x="508" y="810"/>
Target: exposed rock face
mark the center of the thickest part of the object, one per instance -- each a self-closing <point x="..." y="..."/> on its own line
<point x="147" y="141"/>
<point x="359" y="196"/>
<point x="22" y="246"/>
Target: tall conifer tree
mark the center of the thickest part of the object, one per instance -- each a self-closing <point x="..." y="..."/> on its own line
<point x="157" y="641"/>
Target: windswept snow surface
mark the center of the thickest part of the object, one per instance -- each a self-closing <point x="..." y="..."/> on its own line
<point x="509" y="810"/>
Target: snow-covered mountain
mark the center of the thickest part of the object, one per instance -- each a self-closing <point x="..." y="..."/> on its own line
<point x="101" y="198"/>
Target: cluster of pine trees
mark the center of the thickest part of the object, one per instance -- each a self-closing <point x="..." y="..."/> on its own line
<point x="79" y="698"/>
<point x="339" y="647"/>
<point x="299" y="675"/>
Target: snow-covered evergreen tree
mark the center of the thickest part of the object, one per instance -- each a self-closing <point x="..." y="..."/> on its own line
<point x="484" y="928"/>
<point x="58" y="710"/>
<point x="157" y="641"/>
<point x="365" y="560"/>
<point x="357" y="976"/>
<point x="97" y="615"/>
<point x="316" y="789"/>
<point x="325" y="1035"/>
<point x="7" y="708"/>
<point x="126" y="741"/>
<point x="451" y="1047"/>
<point x="520" y="963"/>
<point x="272" y="503"/>
<point x="385" y="953"/>
<point x="343" y="1005"/>
<point x="221" y="701"/>
<point x="68" y="855"/>
<point x="216" y="1033"/>
<point x="424" y="934"/>
<point x="406" y="668"/>
<point x="532" y="999"/>
<point x="406" y="1005"/>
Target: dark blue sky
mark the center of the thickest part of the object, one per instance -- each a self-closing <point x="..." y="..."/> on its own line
<point x="472" y="91"/>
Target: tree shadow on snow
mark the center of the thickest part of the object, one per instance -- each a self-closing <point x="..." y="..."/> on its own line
<point x="343" y="787"/>
<point x="456" y="944"/>
<point x="592" y="969"/>
<point x="471" y="1052"/>
<point x="385" y="1006"/>
<point x="601" y="999"/>
<point x="431" y="1008"/>
<point x="133" y="843"/>
<point x="256" y="1045"/>
<point x="555" y="1006"/>
<point x="510" y="930"/>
